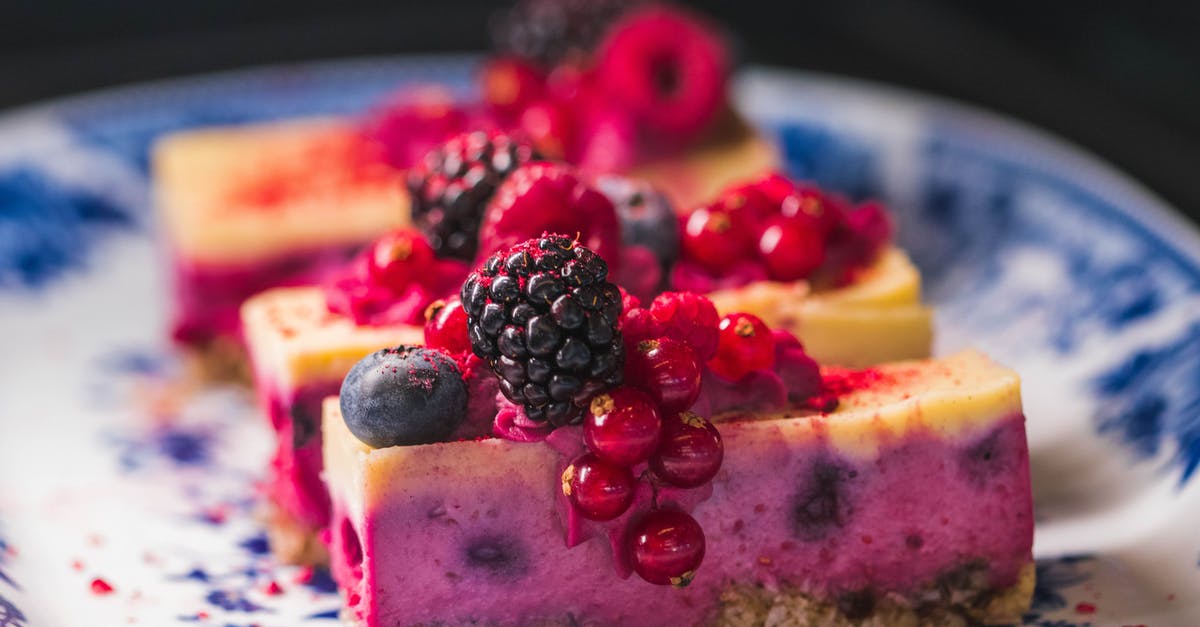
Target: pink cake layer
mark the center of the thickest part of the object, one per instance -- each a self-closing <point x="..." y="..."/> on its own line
<point x="785" y="512"/>
<point x="208" y="295"/>
<point x="293" y="482"/>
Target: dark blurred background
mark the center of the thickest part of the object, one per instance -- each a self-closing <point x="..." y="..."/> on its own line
<point x="1121" y="79"/>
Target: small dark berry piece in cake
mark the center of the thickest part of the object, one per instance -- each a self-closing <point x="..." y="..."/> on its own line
<point x="714" y="238"/>
<point x="446" y="326"/>
<point x="598" y="490"/>
<point x="667" y="370"/>
<point x="622" y="426"/>
<point x="404" y="396"/>
<point x="667" y="70"/>
<point x="552" y="31"/>
<point x="666" y="547"/>
<point x="746" y="344"/>
<point x="544" y="316"/>
<point x="690" y="453"/>
<point x="647" y="217"/>
<point x="450" y="188"/>
<point x="544" y="197"/>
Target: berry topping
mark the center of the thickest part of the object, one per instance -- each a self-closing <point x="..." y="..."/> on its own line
<point x="690" y="318"/>
<point x="667" y="370"/>
<point x="450" y="188"/>
<point x="714" y="238"/>
<point x="403" y="396"/>
<point x="393" y="281"/>
<point x="647" y="218"/>
<point x="667" y="70"/>
<point x="552" y="31"/>
<point x="622" y="427"/>
<point x="791" y="249"/>
<point x="666" y="547"/>
<point x="510" y="85"/>
<point x="400" y="258"/>
<point x="746" y="344"/>
<point x="549" y="198"/>
<point x="597" y="489"/>
<point x="411" y="123"/>
<point x="690" y="453"/>
<point x="544" y="316"/>
<point x="446" y="326"/>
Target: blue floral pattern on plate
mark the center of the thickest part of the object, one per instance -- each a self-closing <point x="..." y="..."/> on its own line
<point x="1045" y="259"/>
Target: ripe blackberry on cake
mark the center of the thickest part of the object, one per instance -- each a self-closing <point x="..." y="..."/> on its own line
<point x="544" y="316"/>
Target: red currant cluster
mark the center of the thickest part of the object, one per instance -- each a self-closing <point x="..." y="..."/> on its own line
<point x="790" y="231"/>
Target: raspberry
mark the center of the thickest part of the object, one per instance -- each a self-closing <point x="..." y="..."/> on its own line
<point x="451" y="187"/>
<point x="667" y="70"/>
<point x="690" y="318"/>
<point x="544" y="316"/>
<point x="549" y="197"/>
<point x="552" y="31"/>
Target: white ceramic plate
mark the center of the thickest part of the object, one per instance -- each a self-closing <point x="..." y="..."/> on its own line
<point x="111" y="472"/>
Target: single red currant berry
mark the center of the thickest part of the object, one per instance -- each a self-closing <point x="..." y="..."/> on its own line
<point x="815" y="206"/>
<point x="446" y="326"/>
<point x="597" y="489"/>
<point x="666" y="547"/>
<point x="791" y="249"/>
<point x="667" y="370"/>
<point x="690" y="452"/>
<point x="714" y="239"/>
<point x="622" y="427"/>
<point x="744" y="345"/>
<point x="400" y="258"/>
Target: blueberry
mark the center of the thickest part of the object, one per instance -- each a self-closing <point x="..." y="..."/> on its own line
<point x="647" y="218"/>
<point x="496" y="556"/>
<point x="404" y="396"/>
<point x="821" y="504"/>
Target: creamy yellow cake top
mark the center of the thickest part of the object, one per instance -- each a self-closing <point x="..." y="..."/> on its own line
<point x="231" y="195"/>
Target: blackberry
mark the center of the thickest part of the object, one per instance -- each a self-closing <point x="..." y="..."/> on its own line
<point x="544" y="316"/>
<point x="548" y="32"/>
<point x="451" y="187"/>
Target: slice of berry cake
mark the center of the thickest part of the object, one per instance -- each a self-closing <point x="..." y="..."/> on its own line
<point x="245" y="209"/>
<point x="712" y="458"/>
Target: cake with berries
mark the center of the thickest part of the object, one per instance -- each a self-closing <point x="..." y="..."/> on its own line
<point x="709" y="456"/>
<point x="245" y="209"/>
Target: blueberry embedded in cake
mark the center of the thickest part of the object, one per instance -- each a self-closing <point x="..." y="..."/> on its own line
<point x="726" y="468"/>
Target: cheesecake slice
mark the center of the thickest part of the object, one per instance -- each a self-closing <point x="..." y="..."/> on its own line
<point x="908" y="504"/>
<point x="247" y="208"/>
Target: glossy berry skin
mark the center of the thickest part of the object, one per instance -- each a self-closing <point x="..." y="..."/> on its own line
<point x="667" y="370"/>
<point x="744" y="344"/>
<point x="690" y="318"/>
<point x="400" y="258"/>
<point x="446" y="326"/>
<point x="791" y="249"/>
<point x="666" y="547"/>
<point x="509" y="85"/>
<point x="714" y="238"/>
<point x="404" y="396"/>
<point x="690" y="452"/>
<point x="622" y="426"/>
<point x="668" y="70"/>
<point x="597" y="489"/>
